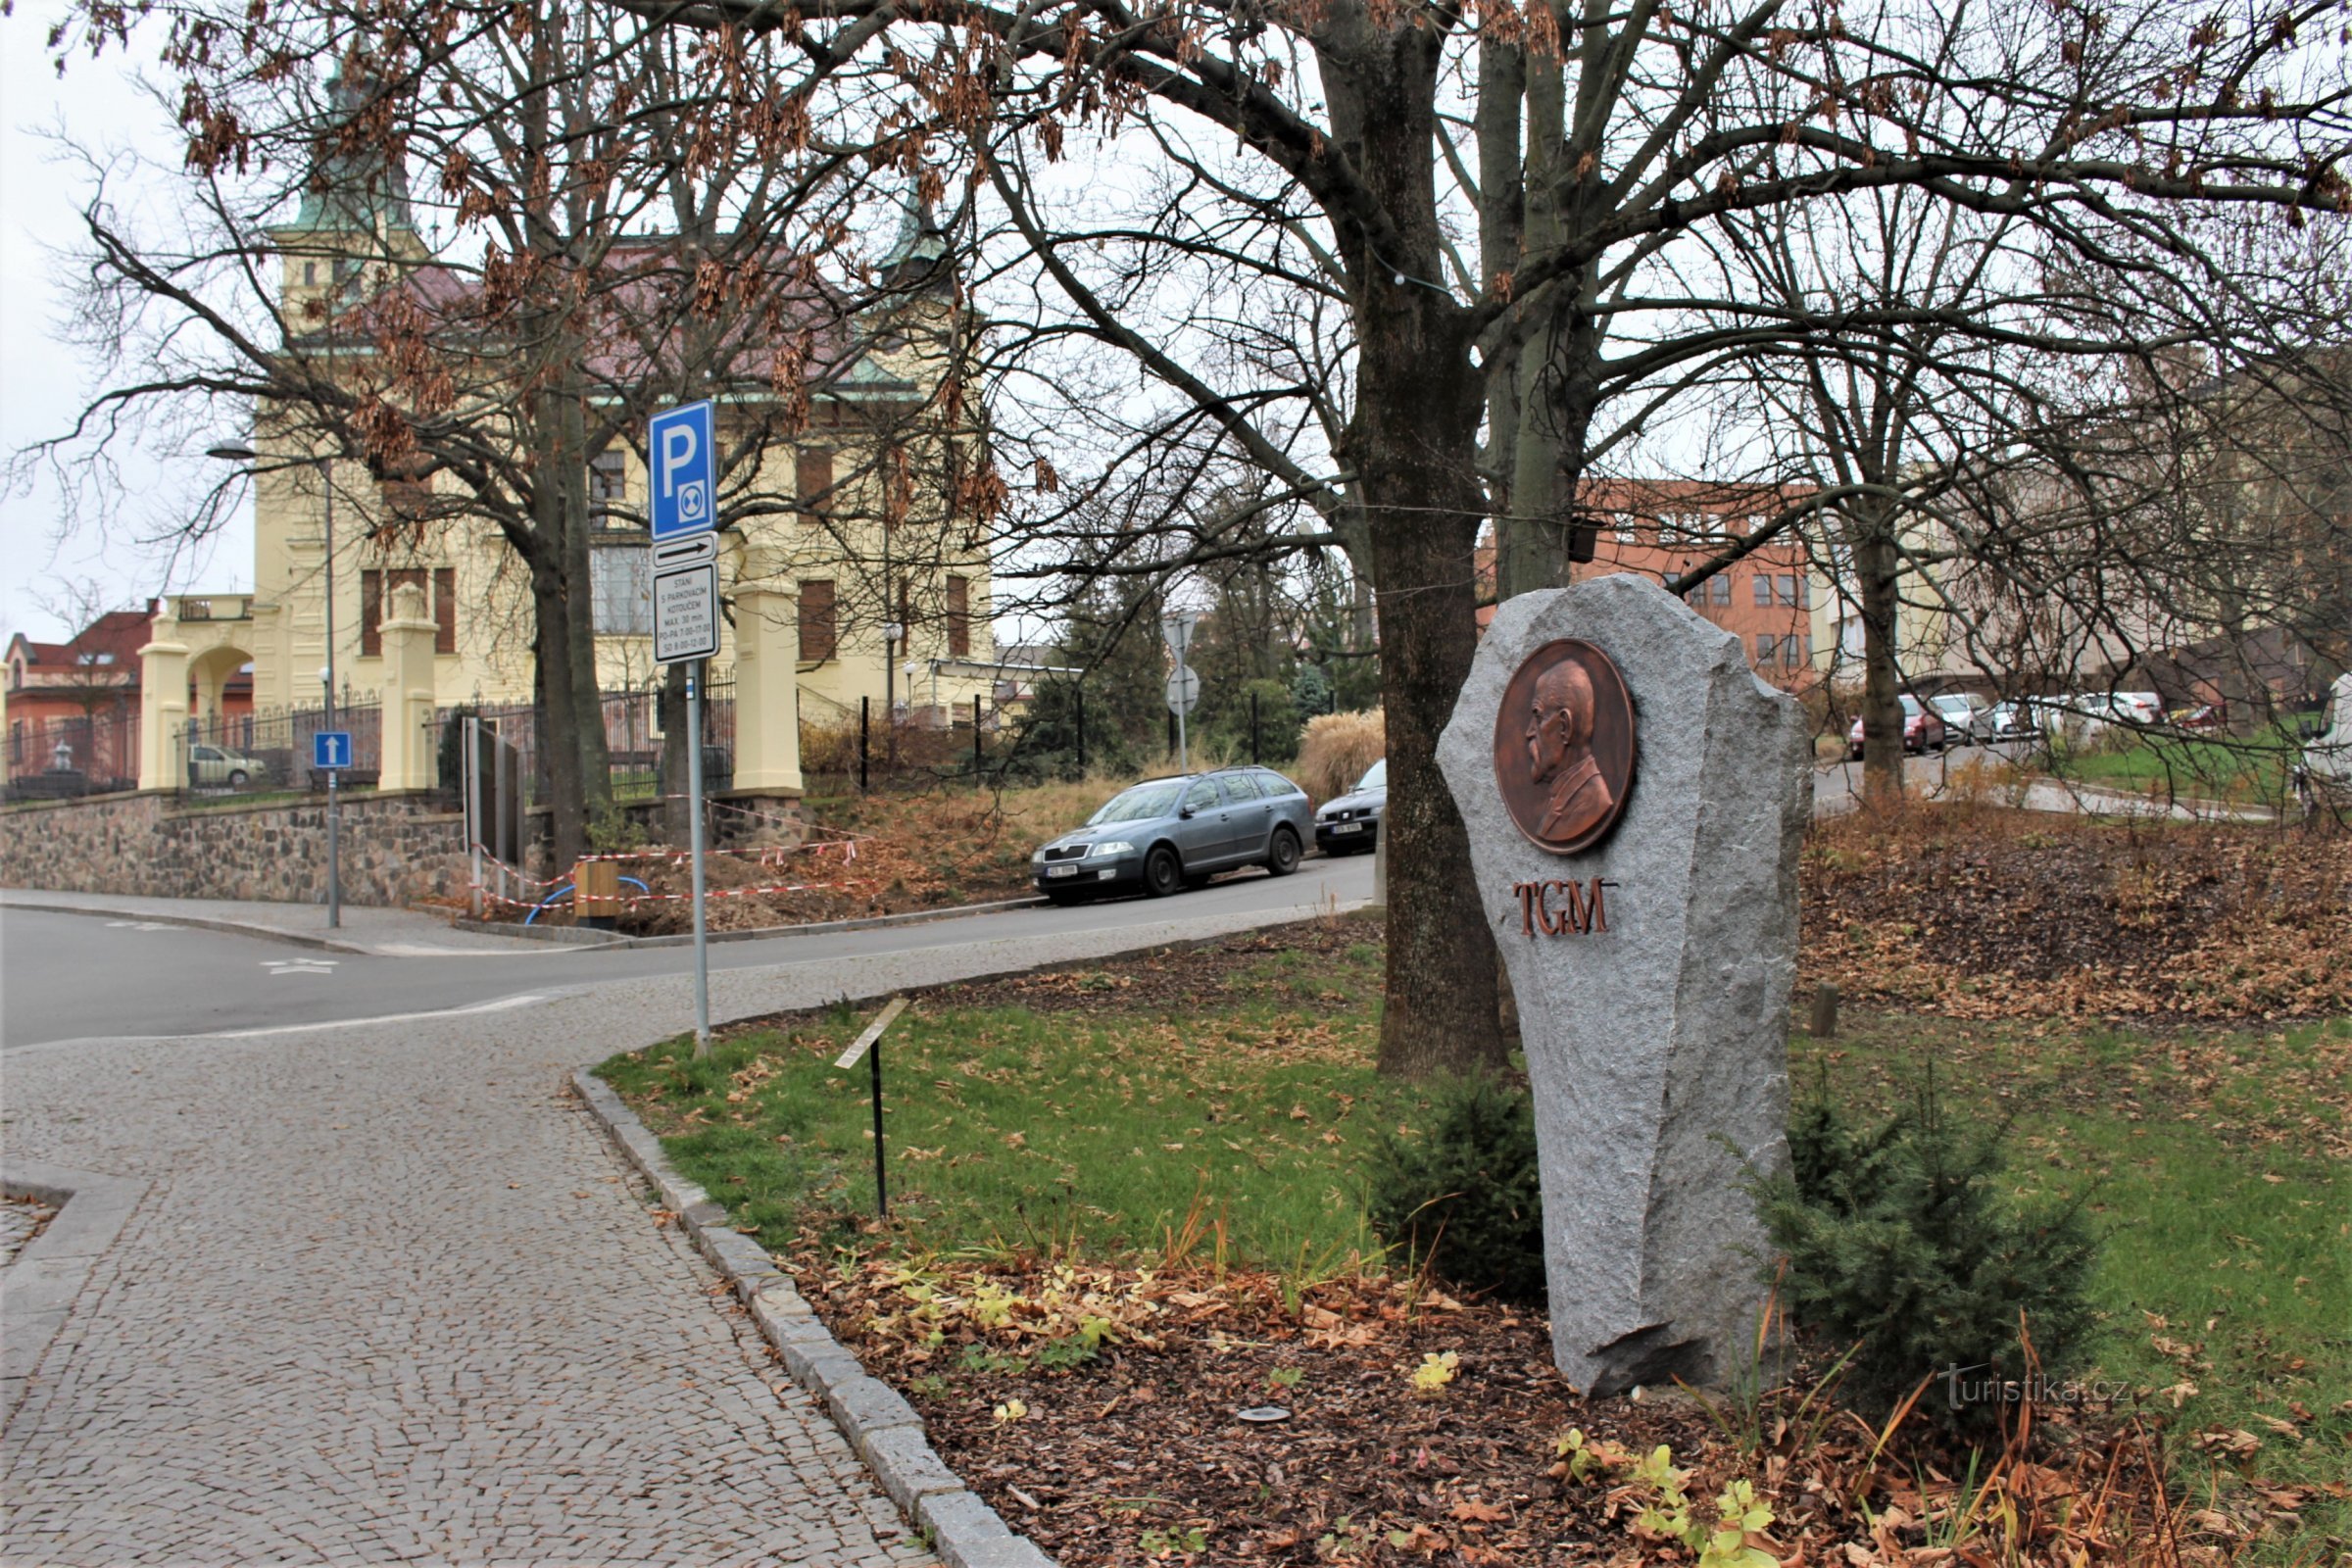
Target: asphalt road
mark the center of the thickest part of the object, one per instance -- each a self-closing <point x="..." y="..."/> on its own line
<point x="66" y="977"/>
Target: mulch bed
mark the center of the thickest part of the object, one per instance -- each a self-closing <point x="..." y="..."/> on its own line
<point x="1140" y="1455"/>
<point x="1978" y="912"/>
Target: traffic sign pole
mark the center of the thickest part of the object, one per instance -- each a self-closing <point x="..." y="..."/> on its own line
<point x="694" y="793"/>
<point x="680" y="447"/>
<point x="1177" y="629"/>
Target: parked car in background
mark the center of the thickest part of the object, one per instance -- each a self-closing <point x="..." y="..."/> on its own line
<point x="2100" y="709"/>
<point x="2205" y="718"/>
<point x="1963" y="720"/>
<point x="1352" y="822"/>
<point x="1167" y="833"/>
<point x="2014" y="721"/>
<point x="217" y="767"/>
<point x="1923" y="730"/>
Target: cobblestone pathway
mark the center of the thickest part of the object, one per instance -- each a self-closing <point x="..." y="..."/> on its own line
<point x="390" y="1299"/>
<point x="20" y="1220"/>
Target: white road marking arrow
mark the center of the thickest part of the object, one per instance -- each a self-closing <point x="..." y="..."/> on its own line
<point x="139" y="925"/>
<point x="280" y="968"/>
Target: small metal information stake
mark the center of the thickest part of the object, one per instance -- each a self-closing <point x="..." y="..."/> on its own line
<point x="868" y="1044"/>
<point x="682" y="450"/>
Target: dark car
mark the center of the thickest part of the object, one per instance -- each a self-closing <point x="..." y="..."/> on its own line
<point x="1166" y="833"/>
<point x="1352" y="822"/>
<point x="1923" y="730"/>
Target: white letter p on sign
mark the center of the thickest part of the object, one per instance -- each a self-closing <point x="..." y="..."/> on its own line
<point x="677" y="451"/>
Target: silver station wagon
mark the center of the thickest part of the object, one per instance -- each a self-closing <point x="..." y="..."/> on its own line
<point x="1169" y="833"/>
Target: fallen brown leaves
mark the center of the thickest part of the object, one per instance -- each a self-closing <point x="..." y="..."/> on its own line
<point x="1981" y="914"/>
<point x="1138" y="1452"/>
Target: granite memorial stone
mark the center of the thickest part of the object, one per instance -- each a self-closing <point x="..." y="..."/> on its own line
<point x="1635" y="797"/>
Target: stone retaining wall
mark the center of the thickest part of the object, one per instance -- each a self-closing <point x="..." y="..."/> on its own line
<point x="397" y="848"/>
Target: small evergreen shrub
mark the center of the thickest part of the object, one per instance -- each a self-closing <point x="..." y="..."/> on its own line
<point x="1464" y="1200"/>
<point x="1898" y="1239"/>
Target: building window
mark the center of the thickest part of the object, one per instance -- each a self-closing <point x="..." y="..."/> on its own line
<point x="375" y="602"/>
<point x="1793" y="651"/>
<point x="1722" y="588"/>
<point x="310" y="275"/>
<point x="813" y="483"/>
<point x="1788" y="597"/>
<point x="1763" y="583"/>
<point x="445" y="610"/>
<point x="622" y="577"/>
<point x="818" y="627"/>
<point x="960" y="617"/>
<point x="1625" y="529"/>
<point x="1767" y="645"/>
<point x="608" y="486"/>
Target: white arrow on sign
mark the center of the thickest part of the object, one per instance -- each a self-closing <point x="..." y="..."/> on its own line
<point x="695" y="550"/>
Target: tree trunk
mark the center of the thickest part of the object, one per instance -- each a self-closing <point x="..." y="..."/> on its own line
<point x="564" y="469"/>
<point x="1413" y="444"/>
<point x="1875" y="571"/>
<point x="677" y="819"/>
<point x="558" y="745"/>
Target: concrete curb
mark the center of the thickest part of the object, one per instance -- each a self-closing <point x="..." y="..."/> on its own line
<point x="814" y="928"/>
<point x="38" y="1286"/>
<point x="234" y="928"/>
<point x="880" y="1425"/>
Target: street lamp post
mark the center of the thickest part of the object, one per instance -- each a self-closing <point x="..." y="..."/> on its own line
<point x="326" y="681"/>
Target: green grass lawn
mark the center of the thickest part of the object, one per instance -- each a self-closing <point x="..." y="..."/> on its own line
<point x="2253" y="769"/>
<point x="2213" y="1163"/>
<point x="1010" y="1129"/>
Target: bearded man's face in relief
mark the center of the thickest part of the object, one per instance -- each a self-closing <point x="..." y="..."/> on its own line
<point x="1559" y="718"/>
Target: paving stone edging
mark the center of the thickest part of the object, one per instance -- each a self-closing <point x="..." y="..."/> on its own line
<point x="38" y="1286"/>
<point x="879" y="1423"/>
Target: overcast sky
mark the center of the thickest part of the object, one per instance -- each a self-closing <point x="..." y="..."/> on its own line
<point x="42" y="377"/>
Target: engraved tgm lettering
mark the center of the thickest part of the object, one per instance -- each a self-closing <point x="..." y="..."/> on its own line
<point x="1582" y="909"/>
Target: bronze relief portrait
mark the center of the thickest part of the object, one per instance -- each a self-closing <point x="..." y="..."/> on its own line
<point x="1564" y="746"/>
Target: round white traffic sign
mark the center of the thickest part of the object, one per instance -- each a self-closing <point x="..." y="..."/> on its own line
<point x="1184" y="691"/>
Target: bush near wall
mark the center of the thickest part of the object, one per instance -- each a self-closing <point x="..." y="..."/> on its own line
<point x="1335" y="749"/>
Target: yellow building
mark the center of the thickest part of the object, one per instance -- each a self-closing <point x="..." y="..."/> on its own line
<point x="843" y="582"/>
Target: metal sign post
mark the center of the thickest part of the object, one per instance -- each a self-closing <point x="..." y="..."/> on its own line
<point x="331" y="754"/>
<point x="681" y="451"/>
<point x="1184" y="687"/>
<point x="868" y="1043"/>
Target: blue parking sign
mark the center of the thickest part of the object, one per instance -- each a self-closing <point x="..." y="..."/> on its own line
<point x="684" y="468"/>
<point x="330" y="750"/>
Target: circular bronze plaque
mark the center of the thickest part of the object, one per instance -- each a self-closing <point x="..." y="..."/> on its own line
<point x="1564" y="746"/>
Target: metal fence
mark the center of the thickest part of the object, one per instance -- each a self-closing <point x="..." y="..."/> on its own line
<point x="923" y="744"/>
<point x="79" y="754"/>
<point x="270" y="751"/>
<point x="635" y="733"/>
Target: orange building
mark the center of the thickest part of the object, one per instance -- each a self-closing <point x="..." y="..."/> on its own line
<point x="1664" y="528"/>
